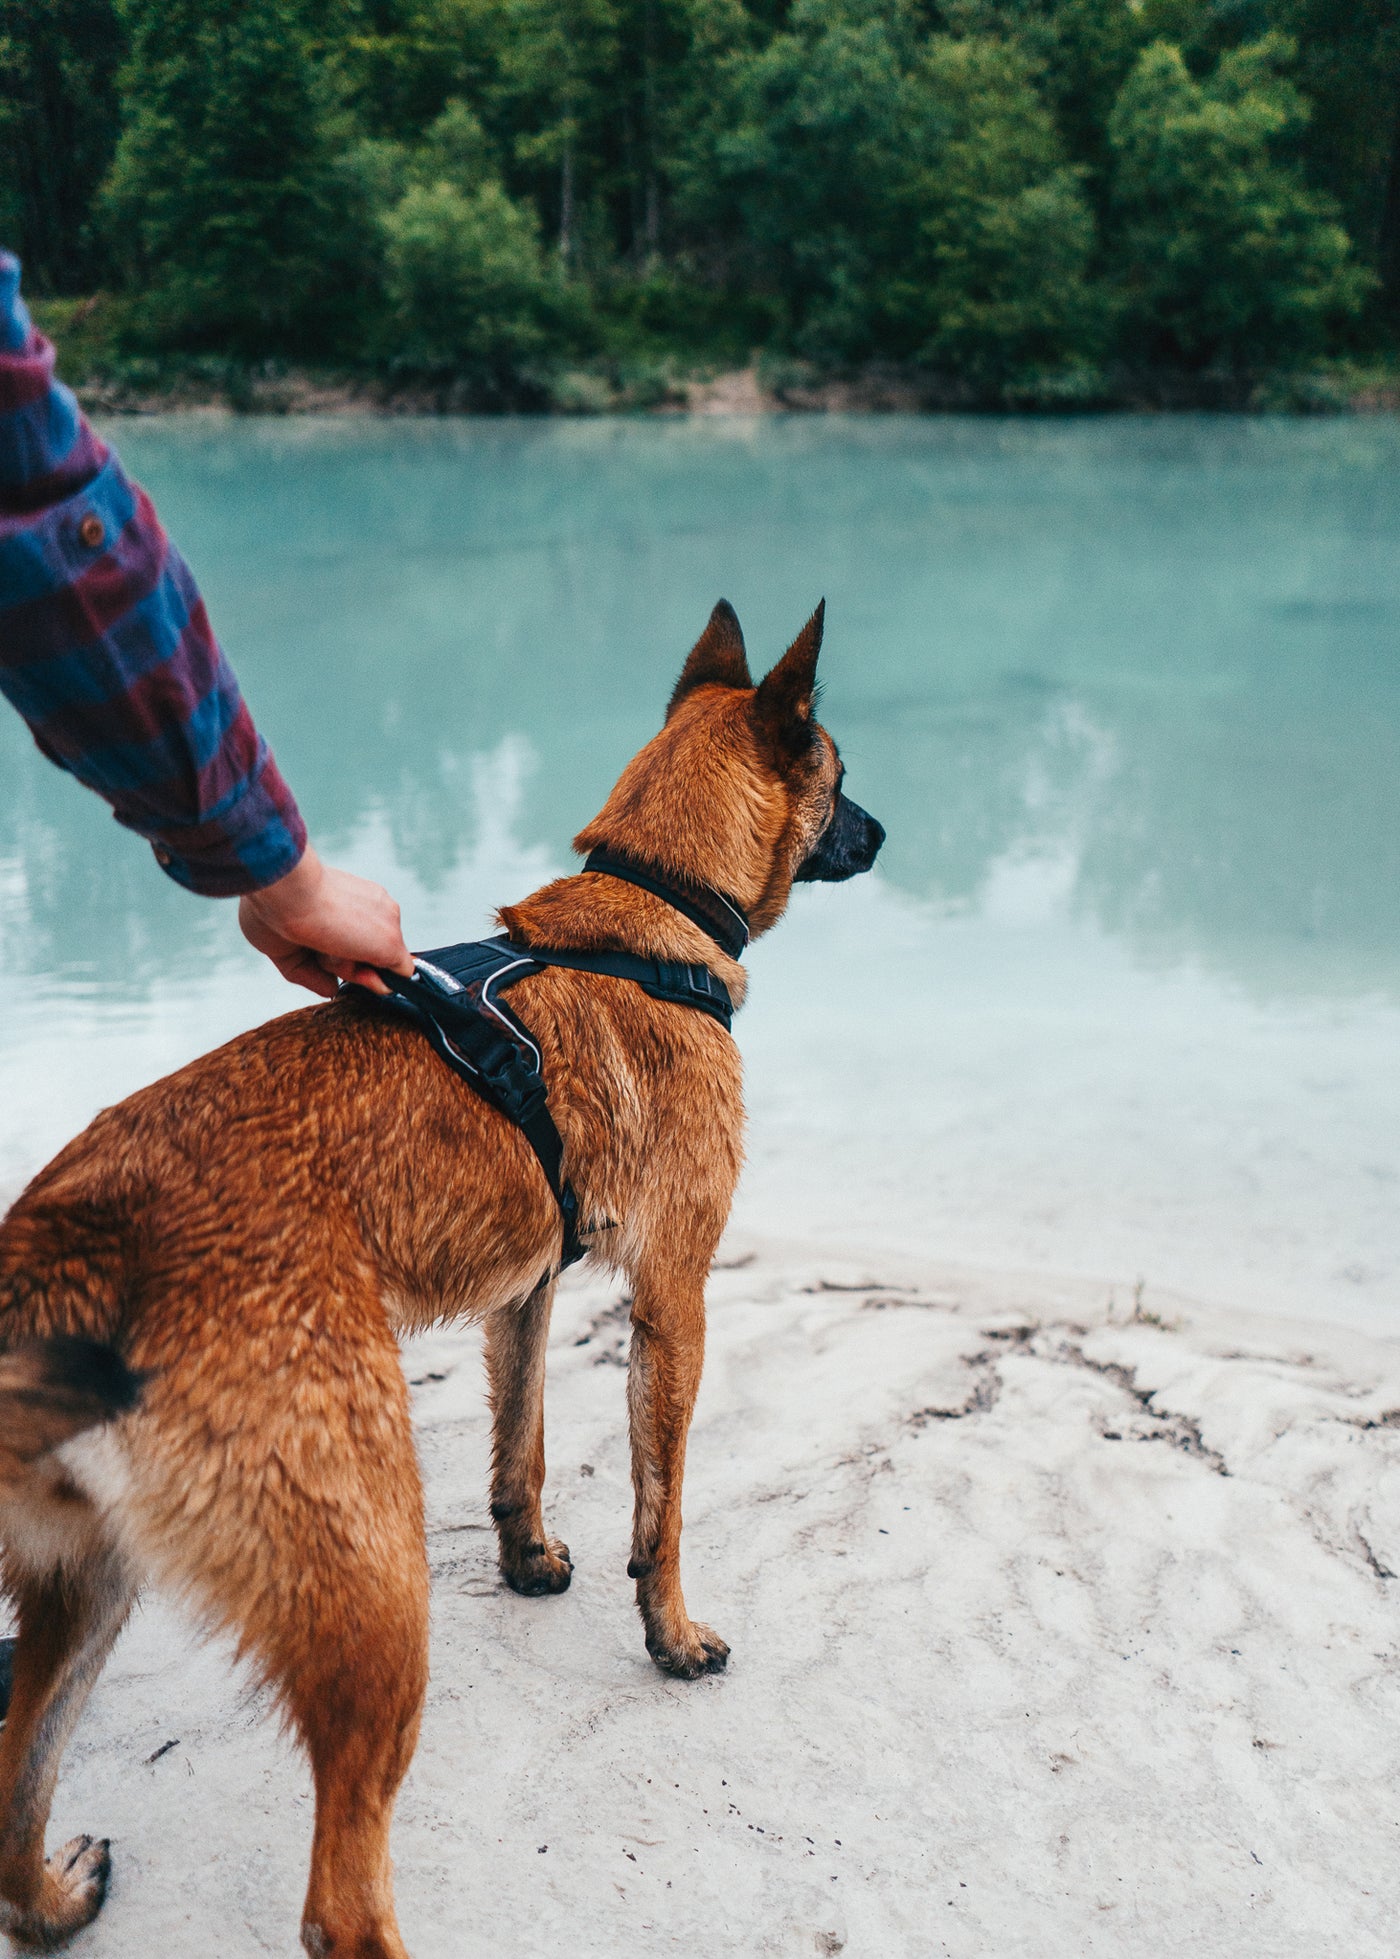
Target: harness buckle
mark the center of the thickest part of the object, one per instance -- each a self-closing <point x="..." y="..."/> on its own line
<point x="685" y="979"/>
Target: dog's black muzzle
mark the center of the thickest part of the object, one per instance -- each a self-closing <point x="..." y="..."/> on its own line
<point x="848" y="845"/>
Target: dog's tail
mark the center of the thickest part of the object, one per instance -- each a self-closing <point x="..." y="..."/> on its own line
<point x="51" y="1390"/>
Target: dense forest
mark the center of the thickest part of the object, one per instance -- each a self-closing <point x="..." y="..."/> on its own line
<point x="1027" y="194"/>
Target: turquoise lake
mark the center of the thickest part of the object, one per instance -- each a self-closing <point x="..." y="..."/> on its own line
<point x="1123" y="997"/>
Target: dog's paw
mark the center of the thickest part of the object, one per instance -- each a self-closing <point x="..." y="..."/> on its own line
<point x="72" y="1894"/>
<point x="77" y="1879"/>
<point x="538" y="1568"/>
<point x="701" y="1650"/>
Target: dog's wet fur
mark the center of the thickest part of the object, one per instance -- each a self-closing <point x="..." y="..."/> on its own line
<point x="200" y="1297"/>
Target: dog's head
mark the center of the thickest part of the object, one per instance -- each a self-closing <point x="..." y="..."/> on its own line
<point x="743" y="788"/>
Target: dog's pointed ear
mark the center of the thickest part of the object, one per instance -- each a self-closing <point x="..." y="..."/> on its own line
<point x="784" y="701"/>
<point x="717" y="658"/>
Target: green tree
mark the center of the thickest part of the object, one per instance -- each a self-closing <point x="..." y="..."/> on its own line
<point x="1348" y="66"/>
<point x="586" y="101"/>
<point x="58" y="128"/>
<point x="1223" y="253"/>
<point x="904" y="194"/>
<point x="399" y="62"/>
<point x="973" y="183"/>
<point x="789" y="170"/>
<point x="554" y="61"/>
<point x="455" y="150"/>
<point x="537" y="71"/>
<point x="993" y="277"/>
<point x="1081" y="51"/>
<point x="468" y="281"/>
<point x="469" y="289"/>
<point x="222" y="197"/>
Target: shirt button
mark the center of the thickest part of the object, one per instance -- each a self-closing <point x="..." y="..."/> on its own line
<point x="162" y="855"/>
<point x="91" y="531"/>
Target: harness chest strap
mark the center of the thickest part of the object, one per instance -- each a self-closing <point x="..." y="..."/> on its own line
<point x="453" y="998"/>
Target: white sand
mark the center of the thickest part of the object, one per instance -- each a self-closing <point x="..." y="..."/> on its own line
<point x="1054" y="1632"/>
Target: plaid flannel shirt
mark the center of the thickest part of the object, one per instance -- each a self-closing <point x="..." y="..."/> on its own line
<point x="106" y="648"/>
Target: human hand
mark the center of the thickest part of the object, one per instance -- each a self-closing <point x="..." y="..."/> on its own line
<point x="318" y="925"/>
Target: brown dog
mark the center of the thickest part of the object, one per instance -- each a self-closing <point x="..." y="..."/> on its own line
<point x="250" y="1235"/>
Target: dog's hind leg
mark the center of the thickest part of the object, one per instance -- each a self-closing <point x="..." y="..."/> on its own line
<point x="335" y="1620"/>
<point x="515" y="1347"/>
<point x="313" y="1553"/>
<point x="69" y="1618"/>
<point x="357" y="1702"/>
<point x="663" y="1378"/>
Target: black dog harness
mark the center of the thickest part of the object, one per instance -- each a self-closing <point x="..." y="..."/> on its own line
<point x="454" y="997"/>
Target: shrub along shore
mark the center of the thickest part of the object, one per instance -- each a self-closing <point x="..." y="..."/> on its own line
<point x="661" y="381"/>
<point x="595" y="204"/>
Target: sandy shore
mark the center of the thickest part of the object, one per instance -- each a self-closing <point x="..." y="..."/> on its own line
<point x="1057" y="1630"/>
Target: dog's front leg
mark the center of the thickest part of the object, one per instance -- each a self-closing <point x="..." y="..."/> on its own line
<point x="668" y="1352"/>
<point x="515" y="1344"/>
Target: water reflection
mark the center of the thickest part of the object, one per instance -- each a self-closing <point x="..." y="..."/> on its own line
<point x="1139" y="673"/>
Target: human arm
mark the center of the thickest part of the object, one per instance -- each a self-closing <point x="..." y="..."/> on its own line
<point x="107" y="651"/>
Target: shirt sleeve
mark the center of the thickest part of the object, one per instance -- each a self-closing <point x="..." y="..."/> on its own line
<point x="106" y="648"/>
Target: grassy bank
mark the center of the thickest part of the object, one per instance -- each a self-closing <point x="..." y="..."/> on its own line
<point x="660" y="375"/>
